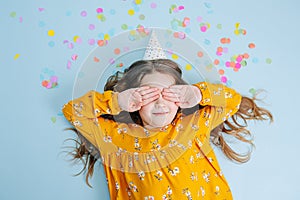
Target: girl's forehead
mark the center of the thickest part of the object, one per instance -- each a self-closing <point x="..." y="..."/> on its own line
<point x="157" y="80"/>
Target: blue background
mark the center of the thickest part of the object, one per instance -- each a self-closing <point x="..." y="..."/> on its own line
<point x="32" y="135"/>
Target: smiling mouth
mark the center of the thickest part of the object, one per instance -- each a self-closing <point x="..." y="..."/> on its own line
<point x="161" y="113"/>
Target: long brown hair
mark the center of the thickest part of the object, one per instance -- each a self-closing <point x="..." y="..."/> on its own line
<point x="235" y="126"/>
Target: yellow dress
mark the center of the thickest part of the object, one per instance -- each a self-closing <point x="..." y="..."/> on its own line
<point x="173" y="162"/>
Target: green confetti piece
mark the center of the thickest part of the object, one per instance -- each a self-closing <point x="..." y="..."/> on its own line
<point x="53" y="119"/>
<point x="268" y="60"/>
<point x="124" y="26"/>
<point x="13" y="14"/>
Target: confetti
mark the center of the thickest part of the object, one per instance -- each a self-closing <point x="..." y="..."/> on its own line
<point x="112" y="12"/>
<point x="200" y="54"/>
<point x="99" y="10"/>
<point x="74" y="57"/>
<point x="120" y="65"/>
<point x="96" y="59"/>
<point x="268" y="60"/>
<point x="188" y="66"/>
<point x="137" y="2"/>
<point x="13" y="14"/>
<point x="101" y="17"/>
<point x="153" y="5"/>
<point x="51" y="44"/>
<point x="16" y="56"/>
<point x="142" y="17"/>
<point x="83" y="13"/>
<point x="52" y="83"/>
<point x="51" y="33"/>
<point x="53" y="119"/>
<point x="175" y="9"/>
<point x="117" y="51"/>
<point x="69" y="64"/>
<point x="219" y="26"/>
<point x="223" y="79"/>
<point x="239" y="30"/>
<point x="131" y="12"/>
<point x="91" y="42"/>
<point x="221" y="71"/>
<point x="251" y="45"/>
<point x="92" y="27"/>
<point x="225" y="40"/>
<point x="41" y="9"/>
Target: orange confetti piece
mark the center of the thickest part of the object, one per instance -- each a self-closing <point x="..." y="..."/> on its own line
<point x="221" y="71"/>
<point x="216" y="62"/>
<point x="200" y="54"/>
<point x="251" y="45"/>
<point x="117" y="51"/>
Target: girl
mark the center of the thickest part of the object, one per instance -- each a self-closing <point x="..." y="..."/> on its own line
<point x="153" y="132"/>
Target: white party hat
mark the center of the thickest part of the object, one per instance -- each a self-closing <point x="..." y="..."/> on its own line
<point x="154" y="50"/>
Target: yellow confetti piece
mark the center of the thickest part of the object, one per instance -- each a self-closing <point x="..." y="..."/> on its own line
<point x="131" y="12"/>
<point x="106" y="37"/>
<point x="188" y="67"/>
<point x="237" y="25"/>
<point x="75" y="38"/>
<point x="174" y="56"/>
<point x="51" y="33"/>
<point x="236" y="31"/>
<point x="137" y="2"/>
<point x="16" y="56"/>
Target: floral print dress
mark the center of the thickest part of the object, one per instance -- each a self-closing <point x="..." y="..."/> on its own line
<point x="172" y="162"/>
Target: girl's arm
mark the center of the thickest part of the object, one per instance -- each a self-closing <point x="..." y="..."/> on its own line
<point x="222" y="102"/>
<point x="83" y="112"/>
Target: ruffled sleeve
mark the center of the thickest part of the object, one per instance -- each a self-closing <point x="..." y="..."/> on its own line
<point x="83" y="112"/>
<point x="220" y="102"/>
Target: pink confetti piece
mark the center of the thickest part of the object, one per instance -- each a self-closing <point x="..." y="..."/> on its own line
<point x="99" y="10"/>
<point x="69" y="64"/>
<point x="41" y="9"/>
<point x="74" y="57"/>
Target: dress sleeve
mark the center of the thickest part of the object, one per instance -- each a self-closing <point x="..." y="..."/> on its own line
<point x="83" y="112"/>
<point x="220" y="102"/>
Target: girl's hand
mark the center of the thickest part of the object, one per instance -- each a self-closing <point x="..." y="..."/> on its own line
<point x="133" y="99"/>
<point x="184" y="96"/>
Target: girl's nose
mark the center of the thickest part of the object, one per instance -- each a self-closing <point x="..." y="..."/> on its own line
<point x="160" y="100"/>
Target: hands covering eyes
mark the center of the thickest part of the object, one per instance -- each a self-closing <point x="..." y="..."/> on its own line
<point x="184" y="96"/>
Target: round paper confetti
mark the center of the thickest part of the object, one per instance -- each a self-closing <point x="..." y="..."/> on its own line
<point x="51" y="33"/>
<point x="251" y="45"/>
<point x="16" y="56"/>
<point x="99" y="10"/>
<point x="153" y="5"/>
<point x="83" y="13"/>
<point x="142" y="17"/>
<point x="188" y="67"/>
<point x="268" y="60"/>
<point x="91" y="27"/>
<point x="131" y="12"/>
<point x="13" y="14"/>
<point x="51" y="44"/>
<point x="112" y="12"/>
<point x="117" y="51"/>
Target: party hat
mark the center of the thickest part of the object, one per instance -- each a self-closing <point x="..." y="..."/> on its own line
<point x="154" y="50"/>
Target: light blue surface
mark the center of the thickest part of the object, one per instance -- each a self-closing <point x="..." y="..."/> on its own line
<point x="31" y="164"/>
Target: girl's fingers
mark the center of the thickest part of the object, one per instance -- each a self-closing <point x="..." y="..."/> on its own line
<point x="172" y="99"/>
<point x="148" y="91"/>
<point x="149" y="100"/>
<point x="150" y="95"/>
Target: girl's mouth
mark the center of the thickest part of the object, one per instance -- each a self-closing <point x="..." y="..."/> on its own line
<point x="160" y="113"/>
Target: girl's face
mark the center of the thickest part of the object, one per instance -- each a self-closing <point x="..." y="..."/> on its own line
<point x="160" y="112"/>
